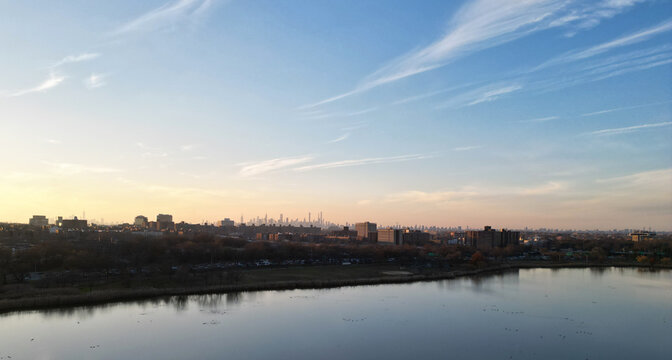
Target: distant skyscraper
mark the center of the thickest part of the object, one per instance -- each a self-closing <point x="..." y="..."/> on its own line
<point x="226" y="222"/>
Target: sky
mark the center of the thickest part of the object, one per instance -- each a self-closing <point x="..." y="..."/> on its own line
<point x="538" y="113"/>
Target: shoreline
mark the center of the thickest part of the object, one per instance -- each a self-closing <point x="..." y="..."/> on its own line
<point x="99" y="297"/>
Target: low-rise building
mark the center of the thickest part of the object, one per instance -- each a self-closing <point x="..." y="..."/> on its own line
<point x="416" y="237"/>
<point x="390" y="236"/>
<point x="226" y="223"/>
<point x="141" y="221"/>
<point x="642" y="236"/>
<point x="489" y="238"/>
<point x="38" y="220"/>
<point x="164" y="222"/>
<point x="74" y="224"/>
<point x="366" y="230"/>
<point x="345" y="233"/>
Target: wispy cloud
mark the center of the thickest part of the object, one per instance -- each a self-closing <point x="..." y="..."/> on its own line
<point x="585" y="70"/>
<point x="143" y="145"/>
<point x="71" y="169"/>
<point x="415" y="196"/>
<point x="482" y="94"/>
<point x="95" y="81"/>
<point x="315" y="115"/>
<point x="624" y="108"/>
<point x="629" y="39"/>
<point x="429" y="94"/>
<point x="418" y="97"/>
<point x="467" y="148"/>
<point x="75" y="59"/>
<point x="188" y="147"/>
<point x="360" y="162"/>
<point x="258" y="168"/>
<point x="472" y="193"/>
<point x="589" y="14"/>
<point x="356" y="126"/>
<point x="639" y="65"/>
<point x="663" y="176"/>
<point x="477" y="25"/>
<point x="580" y="67"/>
<point x="544" y="189"/>
<point x="629" y="129"/>
<point x="54" y="141"/>
<point x="154" y="154"/>
<point x="604" y="68"/>
<point x="607" y="64"/>
<point x="187" y="192"/>
<point x="538" y="120"/>
<point x="53" y="81"/>
<point x="166" y="16"/>
<point x="482" y="24"/>
<point x="494" y="94"/>
<point x="23" y="177"/>
<point x="151" y="151"/>
<point x="339" y="139"/>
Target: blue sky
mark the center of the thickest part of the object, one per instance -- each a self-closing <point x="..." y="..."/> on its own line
<point x="519" y="113"/>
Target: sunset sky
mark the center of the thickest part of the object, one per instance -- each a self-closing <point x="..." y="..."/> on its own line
<point x="540" y="113"/>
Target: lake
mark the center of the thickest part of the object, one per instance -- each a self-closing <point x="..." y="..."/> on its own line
<point x="609" y="313"/>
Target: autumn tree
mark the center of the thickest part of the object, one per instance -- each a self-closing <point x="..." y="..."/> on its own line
<point x="477" y="258"/>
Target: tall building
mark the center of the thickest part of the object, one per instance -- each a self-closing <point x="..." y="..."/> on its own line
<point x="164" y="222"/>
<point x="366" y="230"/>
<point x="390" y="236"/>
<point x="38" y="220"/>
<point x="226" y="222"/>
<point x="489" y="238"/>
<point x="141" y="221"/>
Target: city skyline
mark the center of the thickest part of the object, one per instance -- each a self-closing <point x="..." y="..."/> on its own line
<point x="320" y="222"/>
<point x="451" y="113"/>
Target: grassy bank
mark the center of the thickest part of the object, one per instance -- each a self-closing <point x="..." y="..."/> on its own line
<point x="25" y="297"/>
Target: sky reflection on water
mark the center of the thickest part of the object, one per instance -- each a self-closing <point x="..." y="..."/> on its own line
<point x="610" y="313"/>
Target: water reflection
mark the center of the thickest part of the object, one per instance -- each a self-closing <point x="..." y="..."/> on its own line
<point x="233" y="298"/>
<point x="598" y="271"/>
<point x="489" y="283"/>
<point x="526" y="314"/>
<point x="179" y="303"/>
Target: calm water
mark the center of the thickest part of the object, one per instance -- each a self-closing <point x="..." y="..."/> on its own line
<point x="526" y="314"/>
